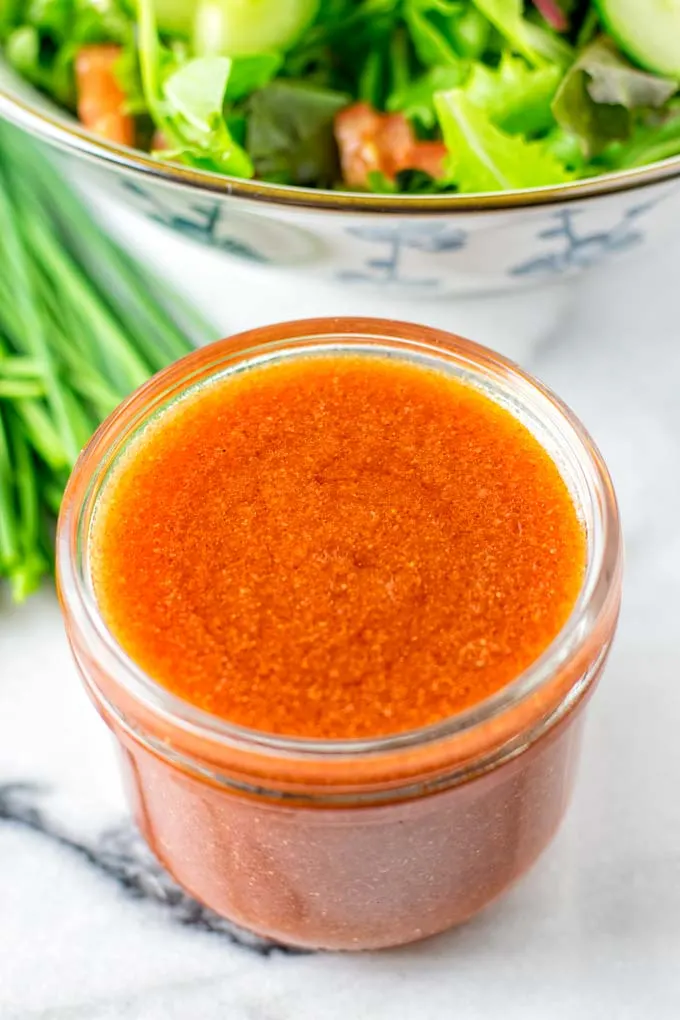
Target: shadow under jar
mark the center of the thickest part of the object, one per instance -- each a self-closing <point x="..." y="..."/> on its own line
<point x="363" y="843"/>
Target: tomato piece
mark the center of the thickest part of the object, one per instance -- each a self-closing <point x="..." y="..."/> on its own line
<point x="370" y="142"/>
<point x="356" y="132"/>
<point x="101" y="100"/>
<point x="428" y="157"/>
<point x="395" y="143"/>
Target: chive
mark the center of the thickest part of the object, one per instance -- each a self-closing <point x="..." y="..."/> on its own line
<point x="10" y="389"/>
<point x="129" y="368"/>
<point x="16" y="366"/>
<point x="81" y="325"/>
<point x="17" y="260"/>
<point x="26" y="574"/>
<point x="107" y="263"/>
<point x="43" y="434"/>
<point x="9" y="540"/>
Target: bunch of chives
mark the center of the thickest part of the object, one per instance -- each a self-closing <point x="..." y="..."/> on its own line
<point x="81" y="326"/>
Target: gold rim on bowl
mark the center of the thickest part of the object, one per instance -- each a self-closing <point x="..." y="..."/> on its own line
<point x="69" y="136"/>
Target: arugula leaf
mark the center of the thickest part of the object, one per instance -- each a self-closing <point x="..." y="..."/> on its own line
<point x="68" y="21"/>
<point x="51" y="16"/>
<point x="370" y="86"/>
<point x="406" y="182"/>
<point x="416" y="100"/>
<point x="221" y="156"/>
<point x="655" y="138"/>
<point x="399" y="59"/>
<point x="548" y="44"/>
<point x="11" y="16"/>
<point x="336" y="52"/>
<point x="251" y="73"/>
<point x="42" y="38"/>
<point x="52" y="72"/>
<point x="484" y="158"/>
<point x="516" y="97"/>
<point x="566" y="148"/>
<point x="418" y="182"/>
<point x="129" y="79"/>
<point x="380" y="184"/>
<point x="589" y="28"/>
<point x="289" y="132"/>
<point x="429" y="40"/>
<point x="99" y="21"/>
<point x="470" y="32"/>
<point x="22" y="50"/>
<point x="506" y="17"/>
<point x="151" y="58"/>
<point x="599" y="92"/>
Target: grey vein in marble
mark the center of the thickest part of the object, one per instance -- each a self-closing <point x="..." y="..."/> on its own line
<point x="122" y="855"/>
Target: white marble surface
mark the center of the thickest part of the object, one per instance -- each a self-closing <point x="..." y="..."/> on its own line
<point x="592" y="932"/>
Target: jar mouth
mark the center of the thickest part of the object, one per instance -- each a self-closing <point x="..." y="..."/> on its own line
<point x="551" y="421"/>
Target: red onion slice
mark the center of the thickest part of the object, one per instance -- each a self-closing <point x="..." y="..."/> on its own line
<point x="553" y="14"/>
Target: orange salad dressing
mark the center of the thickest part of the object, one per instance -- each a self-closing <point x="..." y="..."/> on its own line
<point x="336" y="547"/>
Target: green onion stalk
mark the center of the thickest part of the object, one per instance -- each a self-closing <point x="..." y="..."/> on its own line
<point x="82" y="324"/>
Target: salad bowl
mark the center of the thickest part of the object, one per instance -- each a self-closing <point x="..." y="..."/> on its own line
<point x="414" y="248"/>
<point x="428" y="245"/>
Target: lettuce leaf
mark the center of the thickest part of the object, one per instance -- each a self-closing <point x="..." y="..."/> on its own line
<point x="654" y="138"/>
<point x="507" y="17"/>
<point x="187" y="103"/>
<point x="566" y="148"/>
<point x="552" y="47"/>
<point x="430" y="39"/>
<point x="470" y="32"/>
<point x="196" y="91"/>
<point x="23" y="49"/>
<point x="484" y="158"/>
<point x="290" y="132"/>
<point x="516" y="97"/>
<point x="598" y="94"/>
<point x="416" y="100"/>
<point x="251" y="73"/>
<point x="42" y="38"/>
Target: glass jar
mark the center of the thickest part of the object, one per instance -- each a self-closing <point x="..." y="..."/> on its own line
<point x="351" y="844"/>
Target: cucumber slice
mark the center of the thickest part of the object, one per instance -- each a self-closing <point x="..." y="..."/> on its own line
<point x="648" y="31"/>
<point x="235" y="28"/>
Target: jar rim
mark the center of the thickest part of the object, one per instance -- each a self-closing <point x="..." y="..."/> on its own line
<point x="597" y="599"/>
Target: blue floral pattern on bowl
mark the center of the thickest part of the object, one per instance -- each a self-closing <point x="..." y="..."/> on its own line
<point x="202" y="221"/>
<point x="387" y="268"/>
<point x="468" y="254"/>
<point x="573" y="248"/>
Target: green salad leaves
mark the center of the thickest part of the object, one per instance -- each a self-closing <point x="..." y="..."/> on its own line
<point x="484" y="158"/>
<point x="600" y="94"/>
<point x="522" y="93"/>
<point x="289" y="132"/>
